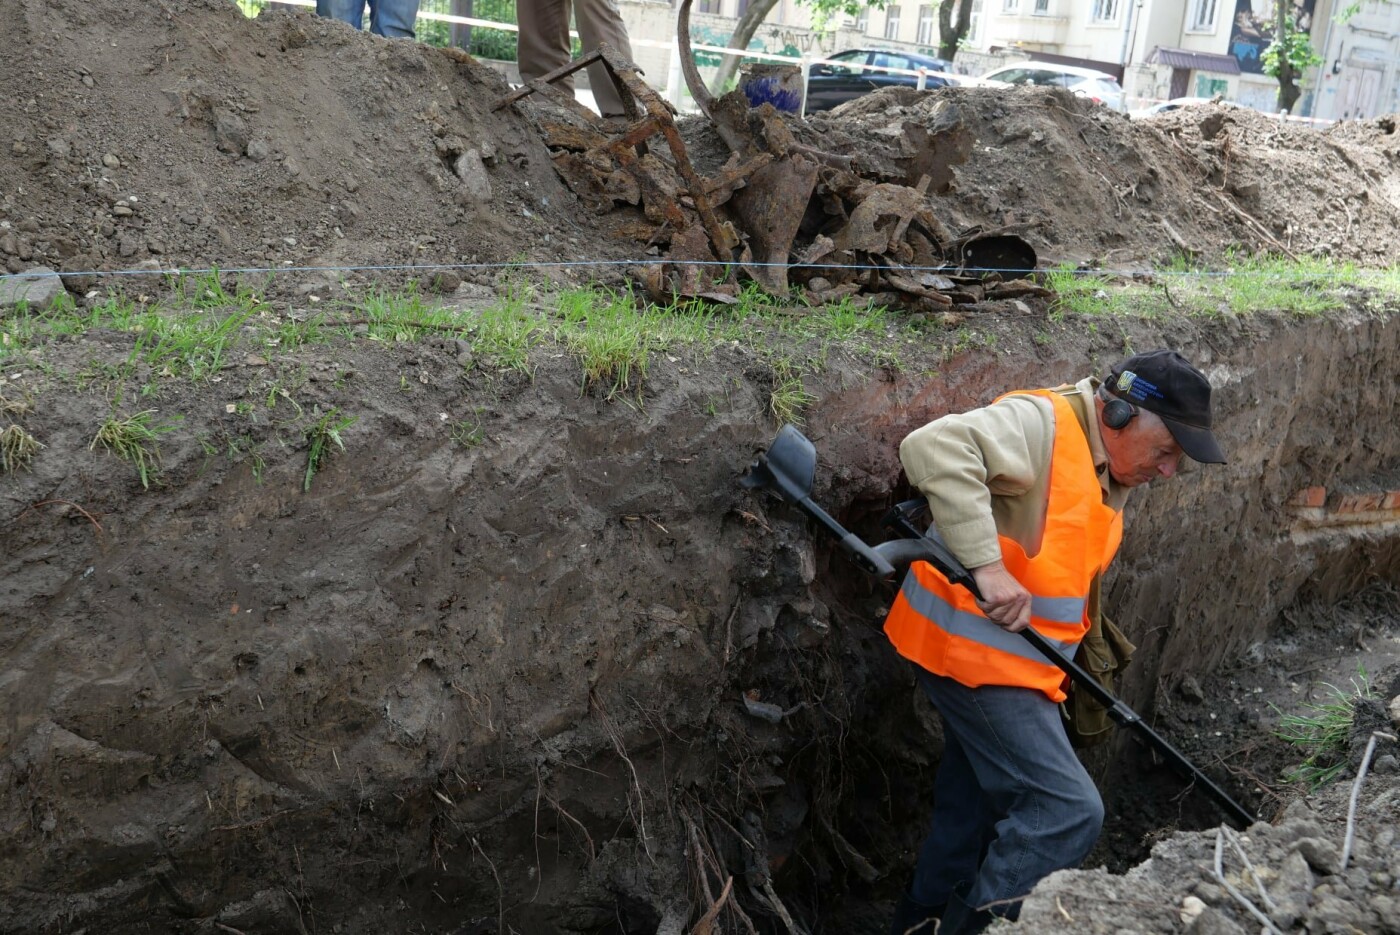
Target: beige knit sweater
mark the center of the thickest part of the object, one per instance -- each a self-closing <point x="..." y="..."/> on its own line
<point x="987" y="471"/>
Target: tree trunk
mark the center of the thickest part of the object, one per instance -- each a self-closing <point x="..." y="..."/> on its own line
<point x="461" y="32"/>
<point x="1287" y="78"/>
<point x="743" y="31"/>
<point x="951" y="33"/>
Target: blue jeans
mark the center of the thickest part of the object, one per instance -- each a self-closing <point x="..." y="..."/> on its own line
<point x="391" y="18"/>
<point x="1012" y="803"/>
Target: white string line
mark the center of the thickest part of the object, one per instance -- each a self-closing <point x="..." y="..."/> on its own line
<point x="943" y="270"/>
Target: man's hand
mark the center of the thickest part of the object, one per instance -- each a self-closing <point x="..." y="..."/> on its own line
<point x="1006" y="603"/>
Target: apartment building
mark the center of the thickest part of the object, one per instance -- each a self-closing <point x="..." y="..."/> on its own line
<point x="1158" y="49"/>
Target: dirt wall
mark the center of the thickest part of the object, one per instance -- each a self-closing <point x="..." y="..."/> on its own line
<point x="464" y="686"/>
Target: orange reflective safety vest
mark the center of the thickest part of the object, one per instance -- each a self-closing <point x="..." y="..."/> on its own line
<point x="939" y="626"/>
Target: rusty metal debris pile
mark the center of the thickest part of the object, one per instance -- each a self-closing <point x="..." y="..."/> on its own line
<point x="779" y="210"/>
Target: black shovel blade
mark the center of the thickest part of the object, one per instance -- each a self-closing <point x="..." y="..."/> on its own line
<point x="789" y="466"/>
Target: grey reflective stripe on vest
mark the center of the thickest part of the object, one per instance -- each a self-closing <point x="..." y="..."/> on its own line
<point x="1059" y="609"/>
<point x="978" y="628"/>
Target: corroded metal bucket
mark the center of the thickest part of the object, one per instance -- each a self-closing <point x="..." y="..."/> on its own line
<point x="772" y="83"/>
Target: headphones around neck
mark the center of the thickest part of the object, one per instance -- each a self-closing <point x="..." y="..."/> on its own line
<point x="1117" y="413"/>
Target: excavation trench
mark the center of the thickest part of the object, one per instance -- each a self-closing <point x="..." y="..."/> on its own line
<point x="563" y="674"/>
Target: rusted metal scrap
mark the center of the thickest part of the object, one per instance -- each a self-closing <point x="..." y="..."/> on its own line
<point x="770" y="210"/>
<point x="785" y="213"/>
<point x="646" y="116"/>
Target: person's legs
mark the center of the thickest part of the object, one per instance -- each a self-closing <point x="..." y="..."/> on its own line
<point x="599" y="21"/>
<point x="543" y="39"/>
<point x="961" y="827"/>
<point x="347" y="11"/>
<point x="393" y="18"/>
<point x="1049" y="812"/>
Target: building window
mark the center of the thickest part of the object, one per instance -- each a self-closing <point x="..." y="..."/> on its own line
<point x="974" y="23"/>
<point x="1042" y="7"/>
<point x="891" y="22"/>
<point x="1010" y="6"/>
<point x="863" y="19"/>
<point x="1203" y="16"/>
<point x="927" y="16"/>
<point x="1105" y="11"/>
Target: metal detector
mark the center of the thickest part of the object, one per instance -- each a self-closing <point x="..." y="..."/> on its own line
<point x="789" y="468"/>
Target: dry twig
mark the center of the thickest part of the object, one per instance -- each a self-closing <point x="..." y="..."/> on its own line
<point x="1254" y="874"/>
<point x="1356" y="793"/>
<point x="1239" y="897"/>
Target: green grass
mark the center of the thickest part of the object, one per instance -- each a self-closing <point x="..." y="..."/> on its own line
<point x="610" y="337"/>
<point x="1323" y="732"/>
<point x="1078" y="293"/>
<point x="135" y="439"/>
<point x="1246" y="285"/>
<point x="788" y="397"/>
<point x="403" y="315"/>
<point x="192" y="345"/>
<point x="323" y="437"/>
<point x="206" y="291"/>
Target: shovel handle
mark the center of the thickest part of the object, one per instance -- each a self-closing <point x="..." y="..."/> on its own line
<point x="904" y="519"/>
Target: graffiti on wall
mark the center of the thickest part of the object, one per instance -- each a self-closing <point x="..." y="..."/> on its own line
<point x="1253" y="29"/>
<point x="776" y="40"/>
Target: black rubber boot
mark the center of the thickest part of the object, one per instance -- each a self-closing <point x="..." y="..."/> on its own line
<point x="914" y="918"/>
<point x="961" y="919"/>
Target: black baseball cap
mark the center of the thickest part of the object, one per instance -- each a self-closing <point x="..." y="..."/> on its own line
<point x="1164" y="382"/>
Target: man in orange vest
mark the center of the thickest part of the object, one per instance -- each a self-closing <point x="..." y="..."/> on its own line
<point x="1028" y="493"/>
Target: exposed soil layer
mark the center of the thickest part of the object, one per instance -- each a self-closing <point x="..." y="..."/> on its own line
<point x="525" y="659"/>
<point x="505" y="680"/>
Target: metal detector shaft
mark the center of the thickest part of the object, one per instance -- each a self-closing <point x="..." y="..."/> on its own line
<point x="902" y="520"/>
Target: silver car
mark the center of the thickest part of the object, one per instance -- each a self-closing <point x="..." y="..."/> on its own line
<point x="1086" y="82"/>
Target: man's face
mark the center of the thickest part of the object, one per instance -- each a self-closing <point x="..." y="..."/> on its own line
<point x="1142" y="451"/>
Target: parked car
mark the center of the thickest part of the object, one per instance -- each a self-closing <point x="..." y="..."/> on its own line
<point x="1095" y="85"/>
<point x="841" y="78"/>
<point x="1161" y="107"/>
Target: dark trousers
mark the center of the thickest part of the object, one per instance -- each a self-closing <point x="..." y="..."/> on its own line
<point x="1012" y="803"/>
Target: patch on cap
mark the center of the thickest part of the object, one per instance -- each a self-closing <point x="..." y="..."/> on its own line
<point x="1136" y="388"/>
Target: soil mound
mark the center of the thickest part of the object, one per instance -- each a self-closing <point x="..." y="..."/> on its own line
<point x="184" y="134"/>
<point x="1086" y="184"/>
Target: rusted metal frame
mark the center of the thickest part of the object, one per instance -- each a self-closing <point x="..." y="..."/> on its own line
<point x="544" y="85"/>
<point x="722" y="237"/>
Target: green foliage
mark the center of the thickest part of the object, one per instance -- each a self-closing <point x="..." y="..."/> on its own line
<point x="1323" y="733"/>
<point x="135" y="439"/>
<point x="1345" y="14"/>
<point x="1294" y="47"/>
<point x="505" y="333"/>
<point x="322" y="435"/>
<point x="478" y="40"/>
<point x="467" y="433"/>
<point x="823" y="11"/>
<point x="1248" y="285"/>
